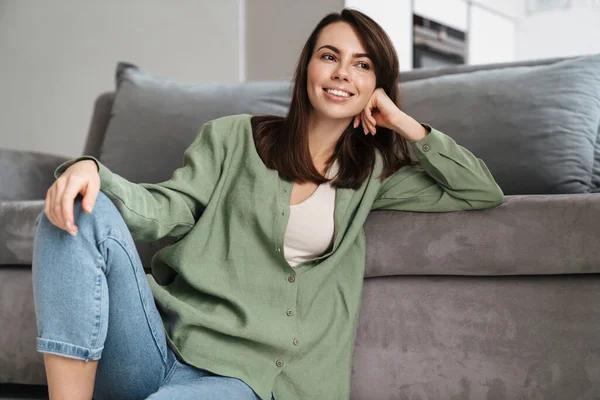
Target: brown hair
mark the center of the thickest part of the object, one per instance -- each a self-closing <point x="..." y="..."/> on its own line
<point x="282" y="143"/>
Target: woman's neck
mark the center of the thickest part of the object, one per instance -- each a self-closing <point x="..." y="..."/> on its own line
<point x="323" y="136"/>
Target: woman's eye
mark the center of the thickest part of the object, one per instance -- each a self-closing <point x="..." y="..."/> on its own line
<point x="364" y="65"/>
<point x="328" y="57"/>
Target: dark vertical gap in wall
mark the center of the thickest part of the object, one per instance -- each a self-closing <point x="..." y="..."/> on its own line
<point x="468" y="32"/>
<point x="412" y="34"/>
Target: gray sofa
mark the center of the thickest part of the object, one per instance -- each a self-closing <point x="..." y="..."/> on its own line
<point x="494" y="304"/>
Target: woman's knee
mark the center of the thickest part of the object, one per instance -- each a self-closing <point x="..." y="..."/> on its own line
<point x="104" y="213"/>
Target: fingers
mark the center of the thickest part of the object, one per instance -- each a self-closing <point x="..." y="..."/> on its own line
<point x="368" y="127"/>
<point x="370" y="120"/>
<point x="366" y="119"/>
<point x="362" y="123"/>
<point x="67" y="200"/>
<point x="80" y="178"/>
<point x="53" y="205"/>
<point x="91" y="194"/>
<point x="59" y="202"/>
<point x="49" y="202"/>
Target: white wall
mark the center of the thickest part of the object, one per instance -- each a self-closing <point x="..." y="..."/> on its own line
<point x="276" y="30"/>
<point x="491" y="24"/>
<point x="395" y="17"/>
<point x="559" y="33"/>
<point x="452" y="13"/>
<point x="491" y="36"/>
<point x="510" y="8"/>
<point x="57" y="56"/>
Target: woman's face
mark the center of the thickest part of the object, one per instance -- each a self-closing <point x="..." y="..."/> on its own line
<point x="341" y="76"/>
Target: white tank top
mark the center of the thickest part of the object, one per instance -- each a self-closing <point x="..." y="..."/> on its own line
<point x="309" y="232"/>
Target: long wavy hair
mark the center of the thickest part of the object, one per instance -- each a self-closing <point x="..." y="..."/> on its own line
<point x="282" y="142"/>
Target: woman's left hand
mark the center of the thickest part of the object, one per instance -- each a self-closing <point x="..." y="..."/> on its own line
<point x="379" y="111"/>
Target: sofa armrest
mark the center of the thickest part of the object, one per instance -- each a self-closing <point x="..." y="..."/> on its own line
<point x="17" y="230"/>
<point x="526" y="235"/>
<point x="26" y="175"/>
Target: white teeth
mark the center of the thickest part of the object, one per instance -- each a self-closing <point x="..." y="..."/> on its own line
<point x="338" y="92"/>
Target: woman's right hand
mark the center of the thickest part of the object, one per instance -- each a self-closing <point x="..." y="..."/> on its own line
<point x="80" y="178"/>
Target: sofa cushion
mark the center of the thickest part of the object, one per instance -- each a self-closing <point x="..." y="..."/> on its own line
<point x="154" y="119"/>
<point x="536" y="127"/>
<point x="596" y="172"/>
<point x="534" y="124"/>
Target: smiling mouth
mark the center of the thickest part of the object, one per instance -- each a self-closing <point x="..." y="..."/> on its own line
<point x="338" y="93"/>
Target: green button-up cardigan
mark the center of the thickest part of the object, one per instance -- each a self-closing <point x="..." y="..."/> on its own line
<point x="230" y="302"/>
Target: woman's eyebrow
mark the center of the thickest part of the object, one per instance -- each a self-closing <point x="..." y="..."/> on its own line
<point x="333" y="48"/>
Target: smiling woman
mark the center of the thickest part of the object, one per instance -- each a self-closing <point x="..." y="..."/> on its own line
<point x="259" y="295"/>
<point x="338" y="75"/>
<point x="346" y="57"/>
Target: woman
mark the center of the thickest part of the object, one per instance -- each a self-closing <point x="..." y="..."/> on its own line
<point x="259" y="297"/>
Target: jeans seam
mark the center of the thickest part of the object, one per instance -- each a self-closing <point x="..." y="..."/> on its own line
<point x="98" y="300"/>
<point x="171" y="372"/>
<point x="144" y="305"/>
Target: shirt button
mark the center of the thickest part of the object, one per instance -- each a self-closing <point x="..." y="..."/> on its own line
<point x="279" y="363"/>
<point x="296" y="342"/>
<point x="289" y="313"/>
<point x="426" y="147"/>
<point x="291" y="278"/>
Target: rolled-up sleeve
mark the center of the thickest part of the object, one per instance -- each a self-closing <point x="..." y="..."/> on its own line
<point x="447" y="178"/>
<point x="170" y="208"/>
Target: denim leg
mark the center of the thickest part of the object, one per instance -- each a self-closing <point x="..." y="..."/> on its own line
<point x="73" y="280"/>
<point x="189" y="383"/>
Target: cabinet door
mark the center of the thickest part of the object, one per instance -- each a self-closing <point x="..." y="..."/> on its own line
<point x="491" y="37"/>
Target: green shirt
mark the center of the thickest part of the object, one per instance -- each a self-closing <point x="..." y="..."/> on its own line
<point x="230" y="302"/>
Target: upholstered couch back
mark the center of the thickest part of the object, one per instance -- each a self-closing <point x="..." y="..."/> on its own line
<point x="535" y="123"/>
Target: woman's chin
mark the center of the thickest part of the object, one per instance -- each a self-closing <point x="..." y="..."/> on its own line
<point x="334" y="115"/>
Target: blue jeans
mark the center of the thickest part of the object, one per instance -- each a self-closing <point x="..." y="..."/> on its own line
<point x="93" y="302"/>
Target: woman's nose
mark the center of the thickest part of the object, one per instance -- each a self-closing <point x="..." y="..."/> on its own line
<point x="341" y="73"/>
